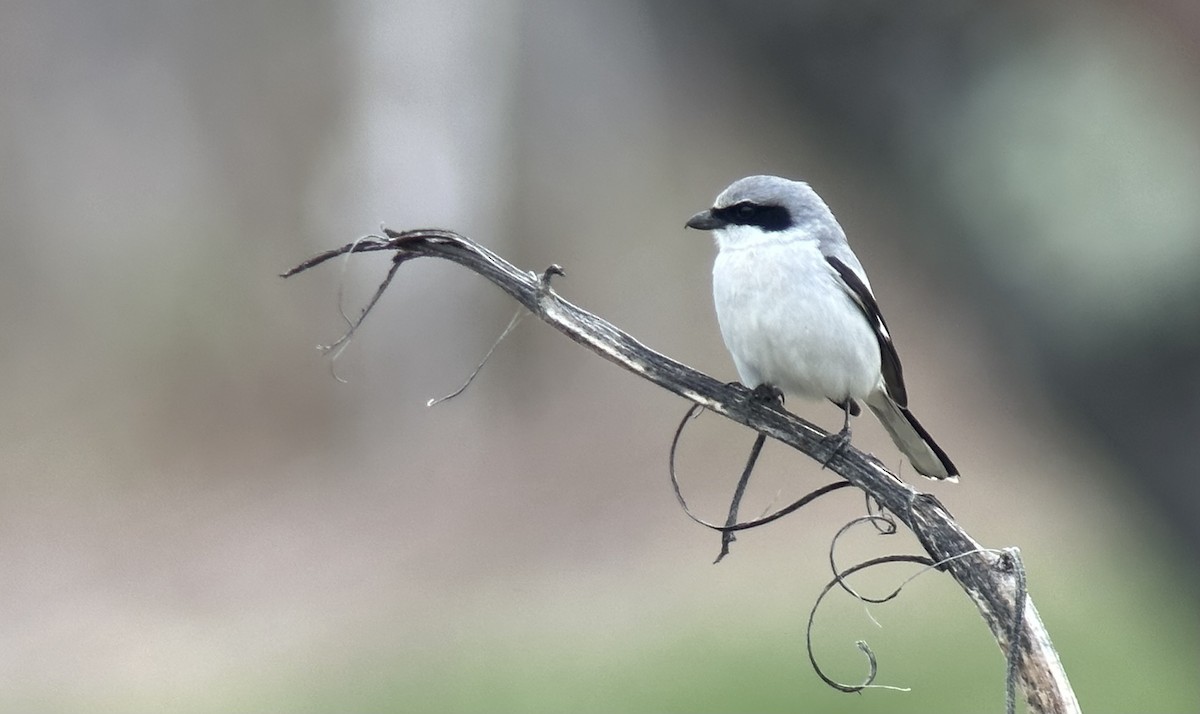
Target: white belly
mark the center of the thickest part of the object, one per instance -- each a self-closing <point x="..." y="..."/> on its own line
<point x="788" y="322"/>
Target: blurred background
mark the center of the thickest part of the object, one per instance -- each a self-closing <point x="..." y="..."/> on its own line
<point x="198" y="516"/>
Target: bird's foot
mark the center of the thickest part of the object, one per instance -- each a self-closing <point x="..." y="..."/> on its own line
<point x="837" y="443"/>
<point x="767" y="394"/>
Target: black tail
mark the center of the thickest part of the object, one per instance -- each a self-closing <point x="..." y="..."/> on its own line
<point x="911" y="438"/>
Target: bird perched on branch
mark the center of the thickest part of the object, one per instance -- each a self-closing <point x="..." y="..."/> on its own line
<point x="797" y="312"/>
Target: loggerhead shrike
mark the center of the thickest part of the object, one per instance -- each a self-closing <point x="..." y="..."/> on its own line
<point x="797" y="312"/>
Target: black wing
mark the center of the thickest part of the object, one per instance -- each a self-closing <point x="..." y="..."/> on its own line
<point x="893" y="376"/>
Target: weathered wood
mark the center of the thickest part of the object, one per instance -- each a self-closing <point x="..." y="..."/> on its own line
<point x="992" y="579"/>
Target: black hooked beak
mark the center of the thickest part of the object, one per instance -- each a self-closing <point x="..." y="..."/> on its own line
<point x="706" y="221"/>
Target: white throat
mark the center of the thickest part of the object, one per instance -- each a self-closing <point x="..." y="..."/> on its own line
<point x="735" y="237"/>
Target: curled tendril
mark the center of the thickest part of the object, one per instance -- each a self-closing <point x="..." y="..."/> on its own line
<point x="1009" y="558"/>
<point x="885" y="525"/>
<point x="729" y="527"/>
<point x="872" y="665"/>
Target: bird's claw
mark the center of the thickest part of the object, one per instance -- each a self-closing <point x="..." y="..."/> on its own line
<point x="767" y="394"/>
<point x="837" y="443"/>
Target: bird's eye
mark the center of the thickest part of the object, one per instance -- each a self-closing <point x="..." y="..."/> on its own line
<point x="749" y="213"/>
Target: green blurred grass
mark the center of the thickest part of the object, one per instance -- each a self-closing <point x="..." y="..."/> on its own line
<point x="1129" y="638"/>
<point x="1127" y="646"/>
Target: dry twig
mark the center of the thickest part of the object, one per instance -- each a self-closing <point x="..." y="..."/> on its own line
<point x="993" y="580"/>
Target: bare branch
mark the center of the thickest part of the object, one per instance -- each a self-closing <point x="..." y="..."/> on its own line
<point x="992" y="580"/>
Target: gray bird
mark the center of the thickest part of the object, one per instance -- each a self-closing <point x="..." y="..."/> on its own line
<point x="797" y="312"/>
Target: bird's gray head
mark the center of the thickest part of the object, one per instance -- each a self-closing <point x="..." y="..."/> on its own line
<point x="767" y="203"/>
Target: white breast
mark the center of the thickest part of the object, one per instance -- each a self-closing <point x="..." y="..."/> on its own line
<point x="788" y="321"/>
